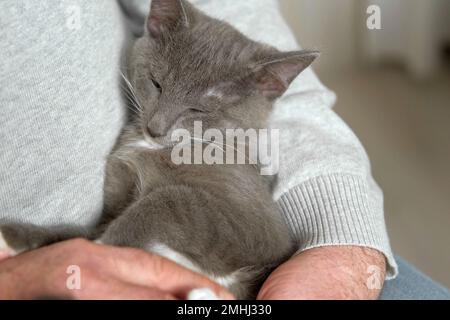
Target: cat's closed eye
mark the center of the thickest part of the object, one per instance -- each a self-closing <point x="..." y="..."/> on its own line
<point x="157" y="85"/>
<point x="196" y="110"/>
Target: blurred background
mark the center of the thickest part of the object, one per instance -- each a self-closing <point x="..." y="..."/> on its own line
<point x="393" y="88"/>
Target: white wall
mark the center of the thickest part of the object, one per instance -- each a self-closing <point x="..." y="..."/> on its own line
<point x="327" y="25"/>
<point x="412" y="32"/>
<point x="445" y="19"/>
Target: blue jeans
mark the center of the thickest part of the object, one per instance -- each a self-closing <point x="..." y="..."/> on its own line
<point x="411" y="284"/>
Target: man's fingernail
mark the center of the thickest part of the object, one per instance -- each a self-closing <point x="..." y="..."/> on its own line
<point x="202" y="294"/>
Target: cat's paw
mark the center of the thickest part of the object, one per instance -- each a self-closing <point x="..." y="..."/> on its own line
<point x="202" y="294"/>
<point x="5" y="250"/>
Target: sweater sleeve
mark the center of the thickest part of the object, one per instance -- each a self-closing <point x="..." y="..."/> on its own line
<point x="324" y="187"/>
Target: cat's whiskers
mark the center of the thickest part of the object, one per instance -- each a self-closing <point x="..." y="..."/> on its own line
<point x="131" y="105"/>
<point x="130" y="97"/>
<point x="132" y="92"/>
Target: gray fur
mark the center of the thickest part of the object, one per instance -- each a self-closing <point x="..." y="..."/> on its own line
<point x="221" y="217"/>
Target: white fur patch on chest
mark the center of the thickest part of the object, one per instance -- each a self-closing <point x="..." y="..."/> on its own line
<point x="168" y="253"/>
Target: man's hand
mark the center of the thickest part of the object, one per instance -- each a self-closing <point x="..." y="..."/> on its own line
<point x="106" y="273"/>
<point x="327" y="273"/>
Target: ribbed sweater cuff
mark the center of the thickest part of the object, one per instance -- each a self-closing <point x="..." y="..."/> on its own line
<point x="337" y="210"/>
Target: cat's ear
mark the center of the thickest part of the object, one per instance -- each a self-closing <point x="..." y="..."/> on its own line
<point x="273" y="76"/>
<point x="166" y="16"/>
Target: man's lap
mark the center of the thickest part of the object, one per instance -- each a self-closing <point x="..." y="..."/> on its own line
<point x="61" y="108"/>
<point x="411" y="284"/>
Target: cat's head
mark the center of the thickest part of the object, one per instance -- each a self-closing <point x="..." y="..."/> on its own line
<point x="189" y="67"/>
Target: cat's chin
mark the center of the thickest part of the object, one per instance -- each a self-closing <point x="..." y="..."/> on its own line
<point x="147" y="143"/>
<point x="152" y="144"/>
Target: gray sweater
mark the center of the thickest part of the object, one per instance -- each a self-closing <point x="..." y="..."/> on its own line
<point x="61" y="112"/>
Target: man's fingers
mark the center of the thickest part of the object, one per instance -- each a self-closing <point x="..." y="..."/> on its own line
<point x="104" y="273"/>
<point x="183" y="281"/>
<point x="146" y="269"/>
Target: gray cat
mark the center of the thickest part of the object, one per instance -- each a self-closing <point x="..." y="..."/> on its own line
<point x="219" y="220"/>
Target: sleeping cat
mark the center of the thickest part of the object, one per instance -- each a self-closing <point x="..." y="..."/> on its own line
<point x="219" y="220"/>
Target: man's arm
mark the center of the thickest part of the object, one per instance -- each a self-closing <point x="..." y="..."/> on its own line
<point x="335" y="273"/>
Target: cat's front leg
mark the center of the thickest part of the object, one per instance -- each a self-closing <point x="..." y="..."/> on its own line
<point x="119" y="189"/>
<point x="15" y="239"/>
<point x="18" y="238"/>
